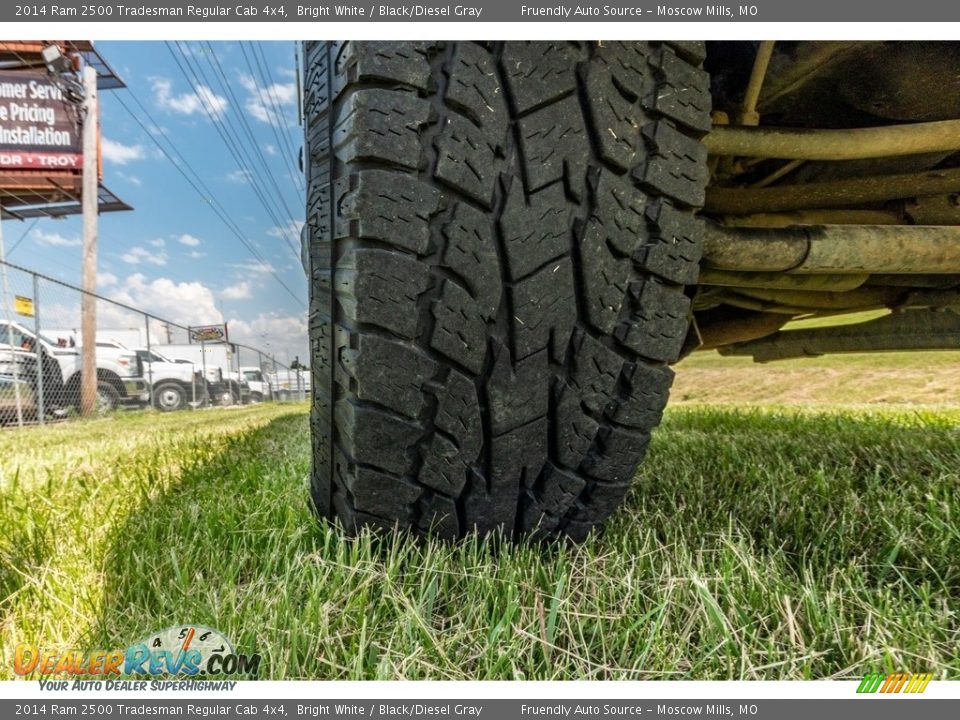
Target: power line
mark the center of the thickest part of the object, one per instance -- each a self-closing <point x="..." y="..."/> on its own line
<point x="212" y="59"/>
<point x="21" y="238"/>
<point x="228" y="135"/>
<point x="209" y="198"/>
<point x="205" y="194"/>
<point x="234" y="145"/>
<point x="268" y="173"/>
<point x="283" y="141"/>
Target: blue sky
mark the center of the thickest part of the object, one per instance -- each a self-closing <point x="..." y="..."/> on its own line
<point x="172" y="255"/>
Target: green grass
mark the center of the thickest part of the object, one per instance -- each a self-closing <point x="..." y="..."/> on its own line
<point x="761" y="544"/>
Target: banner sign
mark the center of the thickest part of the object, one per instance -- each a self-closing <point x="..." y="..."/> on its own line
<point x="208" y="333"/>
<point x="38" y="125"/>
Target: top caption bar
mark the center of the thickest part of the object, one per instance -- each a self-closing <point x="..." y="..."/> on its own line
<point x="636" y="11"/>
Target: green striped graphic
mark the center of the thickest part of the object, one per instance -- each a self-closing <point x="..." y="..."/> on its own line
<point x="870" y="683"/>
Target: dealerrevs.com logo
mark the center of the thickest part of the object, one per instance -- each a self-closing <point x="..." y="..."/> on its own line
<point x="183" y="650"/>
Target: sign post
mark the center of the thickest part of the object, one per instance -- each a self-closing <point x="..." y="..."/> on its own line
<point x="8" y="318"/>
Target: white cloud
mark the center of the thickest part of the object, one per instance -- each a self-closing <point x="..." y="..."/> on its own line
<point x="277" y="334"/>
<point x="202" y="101"/>
<point x="240" y="291"/>
<point x="106" y="278"/>
<point x="132" y="179"/>
<point x="195" y="254"/>
<point x="263" y="103"/>
<point x="158" y="243"/>
<point x="119" y="153"/>
<point x="188" y="240"/>
<point x="290" y="230"/>
<point x="270" y="149"/>
<point x="283" y="336"/>
<point x="54" y="239"/>
<point x="185" y="303"/>
<point x="239" y="176"/>
<point x="254" y="266"/>
<point x="138" y="255"/>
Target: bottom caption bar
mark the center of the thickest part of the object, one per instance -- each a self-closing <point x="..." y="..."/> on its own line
<point x="872" y="707"/>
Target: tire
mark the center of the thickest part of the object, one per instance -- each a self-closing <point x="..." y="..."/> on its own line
<point x="499" y="240"/>
<point x="169" y="397"/>
<point x="107" y="397"/>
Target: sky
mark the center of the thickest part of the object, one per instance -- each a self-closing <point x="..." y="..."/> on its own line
<point x="172" y="255"/>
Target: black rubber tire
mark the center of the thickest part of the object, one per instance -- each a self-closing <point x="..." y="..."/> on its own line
<point x="164" y="395"/>
<point x="108" y="397"/>
<point x="499" y="239"/>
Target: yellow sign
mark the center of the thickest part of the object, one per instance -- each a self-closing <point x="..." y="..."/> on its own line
<point x="23" y="305"/>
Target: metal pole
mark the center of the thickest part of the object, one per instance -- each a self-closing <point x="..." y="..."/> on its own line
<point x="8" y="318"/>
<point x="203" y="364"/>
<point x="265" y="384"/>
<point x="88" y="373"/>
<point x="38" y="348"/>
<point x="239" y="374"/>
<point x="146" y="322"/>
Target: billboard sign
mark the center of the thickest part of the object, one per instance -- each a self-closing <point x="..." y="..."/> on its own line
<point x="38" y="125"/>
<point x="208" y="333"/>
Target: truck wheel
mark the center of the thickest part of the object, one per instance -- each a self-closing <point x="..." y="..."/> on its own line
<point x="169" y="396"/>
<point x="499" y="239"/>
<point x="107" y="397"/>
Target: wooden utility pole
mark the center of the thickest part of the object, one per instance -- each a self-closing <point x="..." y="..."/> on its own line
<point x="8" y="320"/>
<point x="88" y="331"/>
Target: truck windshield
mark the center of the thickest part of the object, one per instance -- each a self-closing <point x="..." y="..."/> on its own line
<point x="253" y="375"/>
<point x="151" y="357"/>
<point x="19" y="336"/>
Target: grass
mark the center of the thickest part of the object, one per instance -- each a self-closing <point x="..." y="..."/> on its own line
<point x="902" y="378"/>
<point x="756" y="544"/>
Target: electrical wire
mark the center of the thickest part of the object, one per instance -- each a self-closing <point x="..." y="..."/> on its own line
<point x="209" y="198"/>
<point x="234" y="145"/>
<point x="205" y="194"/>
<point x="283" y="142"/>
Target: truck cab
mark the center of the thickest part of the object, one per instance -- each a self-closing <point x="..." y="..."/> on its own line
<point x="175" y="385"/>
<point x="259" y="386"/>
<point x="52" y="368"/>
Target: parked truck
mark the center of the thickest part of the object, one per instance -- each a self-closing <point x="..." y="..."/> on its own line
<point x="259" y="384"/>
<point x="218" y="362"/>
<point x="289" y="384"/>
<point x="56" y="370"/>
<point x="173" y="385"/>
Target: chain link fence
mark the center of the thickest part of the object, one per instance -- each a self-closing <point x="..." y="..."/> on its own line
<point x="142" y="361"/>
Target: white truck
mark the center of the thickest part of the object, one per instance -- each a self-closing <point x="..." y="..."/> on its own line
<point x="56" y="368"/>
<point x="174" y="386"/>
<point x="257" y="380"/>
<point x="218" y="362"/>
<point x="289" y="384"/>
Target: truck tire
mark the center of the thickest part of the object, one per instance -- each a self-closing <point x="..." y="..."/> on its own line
<point x="499" y="240"/>
<point x="169" y="396"/>
<point x="108" y="397"/>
